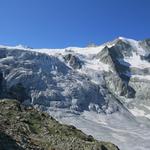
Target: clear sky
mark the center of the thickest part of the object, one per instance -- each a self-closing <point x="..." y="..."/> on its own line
<point x="62" y="23"/>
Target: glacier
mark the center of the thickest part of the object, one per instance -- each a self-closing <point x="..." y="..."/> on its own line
<point x="102" y="90"/>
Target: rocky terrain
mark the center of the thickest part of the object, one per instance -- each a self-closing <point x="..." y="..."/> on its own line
<point x="25" y="128"/>
<point x="103" y="87"/>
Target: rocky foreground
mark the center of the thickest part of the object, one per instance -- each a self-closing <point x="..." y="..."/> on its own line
<point x="25" y="128"/>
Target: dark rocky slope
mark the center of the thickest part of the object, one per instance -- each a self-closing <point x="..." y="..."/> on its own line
<point x="24" y="128"/>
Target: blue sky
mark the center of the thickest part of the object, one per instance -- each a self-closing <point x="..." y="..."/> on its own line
<point x="62" y="23"/>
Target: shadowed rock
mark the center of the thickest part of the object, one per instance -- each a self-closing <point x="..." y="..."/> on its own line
<point x="25" y="128"/>
<point x="73" y="61"/>
<point x="118" y="79"/>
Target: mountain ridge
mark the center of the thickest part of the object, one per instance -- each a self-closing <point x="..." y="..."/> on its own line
<point x="110" y="80"/>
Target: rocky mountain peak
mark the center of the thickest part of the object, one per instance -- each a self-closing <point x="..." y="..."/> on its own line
<point x="109" y="81"/>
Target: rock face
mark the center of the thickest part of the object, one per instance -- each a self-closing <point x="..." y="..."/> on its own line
<point x="18" y="92"/>
<point x="119" y="77"/>
<point x="1" y="82"/>
<point x="111" y="80"/>
<point x="97" y="78"/>
<point x="146" y="44"/>
<point x="73" y="61"/>
<point x="45" y="80"/>
<point x="24" y="128"/>
<point x="2" y="86"/>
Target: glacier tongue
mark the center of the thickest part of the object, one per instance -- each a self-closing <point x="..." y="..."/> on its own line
<point x="123" y="131"/>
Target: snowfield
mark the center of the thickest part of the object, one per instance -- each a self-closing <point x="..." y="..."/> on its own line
<point x="102" y="90"/>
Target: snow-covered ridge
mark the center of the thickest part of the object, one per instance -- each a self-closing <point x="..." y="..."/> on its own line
<point x="86" y="50"/>
<point x="83" y="50"/>
<point x="74" y="84"/>
<point x="134" y="60"/>
<point x="19" y="47"/>
<point x="86" y="53"/>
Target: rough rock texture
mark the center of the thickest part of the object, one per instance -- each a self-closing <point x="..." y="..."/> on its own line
<point x="3" y="92"/>
<point x="73" y="61"/>
<point x="24" y="128"/>
<point x="111" y="80"/>
<point x="146" y="45"/>
<point x="79" y="78"/>
<point x="117" y="80"/>
<point x="123" y="47"/>
<point x="18" y="92"/>
<point x="36" y="78"/>
<point x="1" y="82"/>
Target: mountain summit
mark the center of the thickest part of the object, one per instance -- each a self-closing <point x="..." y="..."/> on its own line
<point x="110" y="82"/>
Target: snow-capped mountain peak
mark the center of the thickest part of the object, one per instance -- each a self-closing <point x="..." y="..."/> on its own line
<point x="109" y="82"/>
